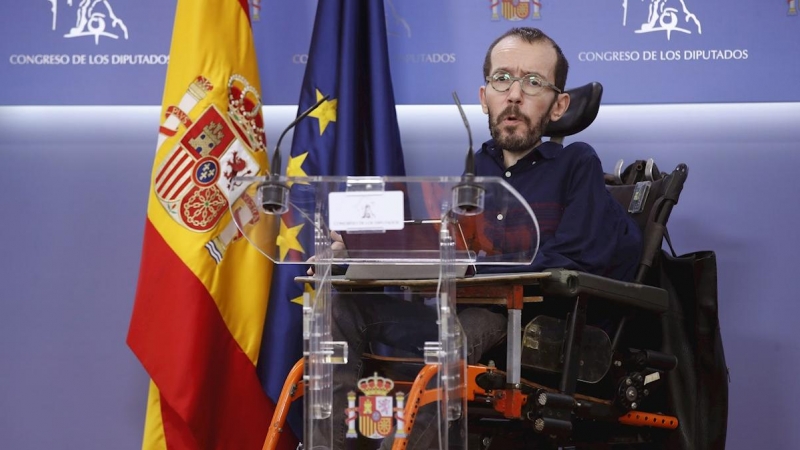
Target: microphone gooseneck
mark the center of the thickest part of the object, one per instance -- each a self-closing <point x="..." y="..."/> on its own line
<point x="469" y="165"/>
<point x="468" y="196"/>
<point x="273" y="195"/>
<point x="276" y="156"/>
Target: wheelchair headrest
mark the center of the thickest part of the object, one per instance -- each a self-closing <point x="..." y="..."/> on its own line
<point x="583" y="107"/>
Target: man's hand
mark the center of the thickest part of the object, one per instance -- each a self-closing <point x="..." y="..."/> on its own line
<point x="337" y="246"/>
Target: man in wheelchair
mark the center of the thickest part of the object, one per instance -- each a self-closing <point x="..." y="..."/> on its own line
<point x="582" y="227"/>
<point x="596" y="369"/>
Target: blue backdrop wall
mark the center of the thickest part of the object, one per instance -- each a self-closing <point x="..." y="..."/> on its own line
<point x="688" y="51"/>
<point x="79" y="115"/>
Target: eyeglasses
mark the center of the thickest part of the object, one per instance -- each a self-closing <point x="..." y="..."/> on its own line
<point x="530" y="84"/>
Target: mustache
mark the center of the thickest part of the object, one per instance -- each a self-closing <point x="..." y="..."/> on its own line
<point x="513" y="110"/>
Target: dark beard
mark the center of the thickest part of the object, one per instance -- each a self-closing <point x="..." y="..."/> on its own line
<point x="511" y="142"/>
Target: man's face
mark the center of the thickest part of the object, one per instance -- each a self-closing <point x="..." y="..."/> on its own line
<point x="516" y="119"/>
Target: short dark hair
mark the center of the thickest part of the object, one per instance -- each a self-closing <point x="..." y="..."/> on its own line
<point x="532" y="35"/>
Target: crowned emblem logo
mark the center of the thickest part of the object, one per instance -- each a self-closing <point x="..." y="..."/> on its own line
<point x="375" y="410"/>
<point x="516" y="9"/>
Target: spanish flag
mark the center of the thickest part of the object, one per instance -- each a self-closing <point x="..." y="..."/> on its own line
<point x="202" y="294"/>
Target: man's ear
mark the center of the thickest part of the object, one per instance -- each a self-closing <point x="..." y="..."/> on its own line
<point x="482" y="96"/>
<point x="559" y="107"/>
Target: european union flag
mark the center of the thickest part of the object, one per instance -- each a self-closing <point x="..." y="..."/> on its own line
<point x="354" y="132"/>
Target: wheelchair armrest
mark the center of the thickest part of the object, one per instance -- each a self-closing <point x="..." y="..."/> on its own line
<point x="571" y="283"/>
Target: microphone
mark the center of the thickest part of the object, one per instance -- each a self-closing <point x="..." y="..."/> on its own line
<point x="272" y="194"/>
<point x="276" y="157"/>
<point x="468" y="196"/>
<point x="470" y="163"/>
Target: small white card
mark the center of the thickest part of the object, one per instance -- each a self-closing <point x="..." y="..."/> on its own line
<point x="365" y="210"/>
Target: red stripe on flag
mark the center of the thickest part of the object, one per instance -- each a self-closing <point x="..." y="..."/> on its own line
<point x="209" y="385"/>
<point x="176" y="434"/>
<point x="180" y="189"/>
<point x="181" y="168"/>
<point x="168" y="173"/>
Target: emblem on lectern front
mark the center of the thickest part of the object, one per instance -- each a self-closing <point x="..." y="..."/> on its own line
<point x="376" y="409"/>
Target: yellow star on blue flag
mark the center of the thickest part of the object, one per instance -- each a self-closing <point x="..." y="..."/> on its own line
<point x="287" y="239"/>
<point x="326" y="112"/>
<point x="294" y="168"/>
<point x="307" y="289"/>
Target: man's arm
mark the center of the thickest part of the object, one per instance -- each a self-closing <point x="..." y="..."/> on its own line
<point x="586" y="237"/>
<point x="591" y="226"/>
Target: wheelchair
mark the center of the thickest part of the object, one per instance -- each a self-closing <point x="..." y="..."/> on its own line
<point x="596" y="354"/>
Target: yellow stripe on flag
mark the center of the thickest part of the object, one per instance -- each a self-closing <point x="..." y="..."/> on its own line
<point x="244" y="274"/>
<point x="203" y="290"/>
<point x="153" y="426"/>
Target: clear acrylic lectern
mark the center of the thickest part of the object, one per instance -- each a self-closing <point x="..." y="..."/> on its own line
<point x="384" y="228"/>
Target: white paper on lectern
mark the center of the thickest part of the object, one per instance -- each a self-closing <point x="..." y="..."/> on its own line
<point x="365" y="210"/>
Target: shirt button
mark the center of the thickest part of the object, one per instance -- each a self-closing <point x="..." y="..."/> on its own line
<point x="508" y="174"/>
<point x="499" y="217"/>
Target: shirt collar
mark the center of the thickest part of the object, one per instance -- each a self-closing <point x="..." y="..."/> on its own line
<point x="545" y="150"/>
<point x="548" y="150"/>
